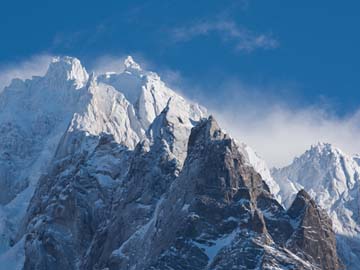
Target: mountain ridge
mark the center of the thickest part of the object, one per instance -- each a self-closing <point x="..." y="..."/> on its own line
<point x="118" y="150"/>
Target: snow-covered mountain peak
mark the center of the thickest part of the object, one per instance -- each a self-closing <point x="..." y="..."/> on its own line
<point x="322" y="157"/>
<point x="322" y="148"/>
<point x="332" y="178"/>
<point x="213" y="131"/>
<point x="131" y="65"/>
<point x="145" y="91"/>
<point x="207" y="131"/>
<point x="67" y="68"/>
<point x="133" y="81"/>
<point x="323" y="170"/>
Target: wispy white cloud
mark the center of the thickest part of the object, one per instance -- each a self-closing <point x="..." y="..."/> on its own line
<point x="34" y="66"/>
<point x="272" y="121"/>
<point x="283" y="133"/>
<point x="243" y="38"/>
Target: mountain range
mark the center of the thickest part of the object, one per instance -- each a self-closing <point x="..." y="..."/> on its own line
<point x="118" y="171"/>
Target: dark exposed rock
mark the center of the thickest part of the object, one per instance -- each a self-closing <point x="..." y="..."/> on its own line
<point x="313" y="238"/>
<point x="69" y="205"/>
<point x="209" y="211"/>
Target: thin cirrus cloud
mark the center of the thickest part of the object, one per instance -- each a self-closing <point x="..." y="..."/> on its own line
<point x="33" y="66"/>
<point x="243" y="38"/>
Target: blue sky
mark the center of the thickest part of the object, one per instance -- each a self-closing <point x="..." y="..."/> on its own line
<point x="299" y="54"/>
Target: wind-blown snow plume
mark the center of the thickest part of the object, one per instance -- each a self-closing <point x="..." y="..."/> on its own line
<point x="34" y="66"/>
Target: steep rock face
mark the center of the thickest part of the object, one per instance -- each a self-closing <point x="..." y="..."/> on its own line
<point x="215" y="215"/>
<point x="213" y="194"/>
<point x="332" y="178"/>
<point x="313" y="236"/>
<point x="69" y="204"/>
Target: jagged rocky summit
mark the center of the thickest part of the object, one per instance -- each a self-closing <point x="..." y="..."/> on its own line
<point x="332" y="178"/>
<point x="117" y="171"/>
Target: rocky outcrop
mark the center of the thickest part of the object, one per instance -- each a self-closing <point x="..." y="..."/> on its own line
<point x="313" y="238"/>
<point x="216" y="214"/>
<point x="69" y="205"/>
